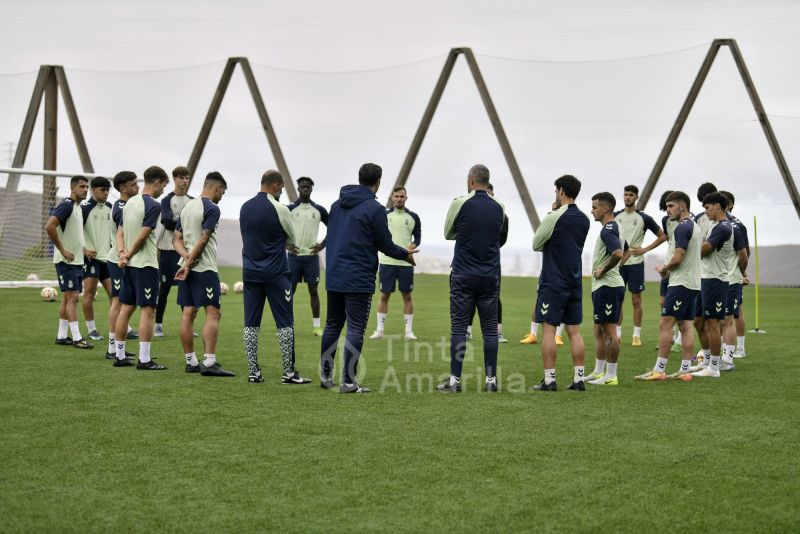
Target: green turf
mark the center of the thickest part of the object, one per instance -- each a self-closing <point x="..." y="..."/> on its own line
<point x="88" y="447"/>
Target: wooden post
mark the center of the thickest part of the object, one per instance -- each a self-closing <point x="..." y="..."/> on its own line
<point x="261" y="109"/>
<point x="494" y="118"/>
<point x="50" y="148"/>
<point x="74" y="123"/>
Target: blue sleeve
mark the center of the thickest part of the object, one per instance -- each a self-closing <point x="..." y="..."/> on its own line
<point x="86" y="209"/>
<point x="62" y="212"/>
<point x="417" y="233"/>
<point x="167" y="217"/>
<point x="151" y="212"/>
<point x="719" y="234"/>
<point x="323" y="214"/>
<point x="618" y="212"/>
<point x="383" y="238"/>
<point x="210" y="215"/>
<point x="739" y="241"/>
<point x="178" y="227"/>
<point x="664" y="220"/>
<point x="650" y="223"/>
<point x="683" y="234"/>
<point x="293" y="205"/>
<point x="743" y="229"/>
<point x="504" y="231"/>
<point x="610" y="237"/>
<point x="116" y="215"/>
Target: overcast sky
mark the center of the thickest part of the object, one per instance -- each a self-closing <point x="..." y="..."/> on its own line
<point x="594" y="93"/>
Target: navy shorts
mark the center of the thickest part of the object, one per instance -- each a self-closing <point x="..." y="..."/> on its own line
<point x="200" y="289"/>
<point x="304" y="269"/>
<point x="680" y="303"/>
<point x="168" y="266"/>
<point x="139" y="286"/>
<point x="734" y="299"/>
<point x="555" y="307"/>
<point x="392" y="276"/>
<point x="713" y="299"/>
<point x="116" y="278"/>
<point x="664" y="285"/>
<point x="607" y="302"/>
<point x="95" y="269"/>
<point x="70" y="277"/>
<point x="633" y="276"/>
<point x="279" y="294"/>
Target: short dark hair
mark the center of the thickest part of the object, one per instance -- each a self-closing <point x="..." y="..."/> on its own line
<point x="369" y="174"/>
<point x="270" y="177"/>
<point x="570" y="185"/>
<point x="305" y="179"/>
<point x="480" y="173"/>
<point x="397" y="188"/>
<point x="122" y="178"/>
<point x="730" y="197"/>
<point x="662" y="202"/>
<point x="76" y="179"/>
<point x="679" y="196"/>
<point x="704" y="189"/>
<point x="631" y="189"/>
<point x="100" y="181"/>
<point x="155" y="174"/>
<point x="716" y="198"/>
<point x="214" y="176"/>
<point x="180" y="170"/>
<point x="606" y="198"/>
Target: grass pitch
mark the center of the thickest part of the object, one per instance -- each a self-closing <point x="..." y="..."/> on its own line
<point x="88" y="447"/>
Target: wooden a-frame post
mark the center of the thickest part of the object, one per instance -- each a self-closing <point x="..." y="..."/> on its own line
<point x="261" y="109"/>
<point x="494" y="118"/>
<point x="791" y="187"/>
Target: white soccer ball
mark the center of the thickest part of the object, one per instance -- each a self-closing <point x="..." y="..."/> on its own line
<point x="223" y="288"/>
<point x="238" y="287"/>
<point x="48" y="294"/>
<point x="33" y="277"/>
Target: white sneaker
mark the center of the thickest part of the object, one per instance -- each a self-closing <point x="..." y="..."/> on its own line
<point x="698" y="367"/>
<point x="727" y="366"/>
<point x="706" y="371"/>
<point x="739" y="353"/>
<point x="377" y="335"/>
<point x="469" y="335"/>
<point x="158" y="331"/>
<point x="409" y="336"/>
<point x="501" y="338"/>
<point x="594" y="376"/>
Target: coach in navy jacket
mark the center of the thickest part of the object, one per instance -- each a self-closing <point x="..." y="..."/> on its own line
<point x="357" y="231"/>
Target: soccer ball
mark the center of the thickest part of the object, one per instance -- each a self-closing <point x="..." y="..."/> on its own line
<point x="49" y="294"/>
<point x="238" y="287"/>
<point x="223" y="288"/>
<point x="33" y="277"/>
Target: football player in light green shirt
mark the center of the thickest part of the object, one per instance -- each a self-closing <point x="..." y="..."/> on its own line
<point x="98" y="232"/>
<point x="65" y="229"/>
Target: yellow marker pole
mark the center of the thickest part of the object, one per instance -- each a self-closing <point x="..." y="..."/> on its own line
<point x="757" y="330"/>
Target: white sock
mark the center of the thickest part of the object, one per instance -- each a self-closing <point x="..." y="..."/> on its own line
<point x="144" y="351"/>
<point x="90" y="326"/>
<point x="706" y="353"/>
<point x="63" y="328"/>
<point x="315" y="320"/>
<point x="491" y="380"/>
<point x="679" y="338"/>
<point x="209" y="360"/>
<point x="74" y="327"/>
<point x="661" y="365"/>
<point x="739" y="342"/>
<point x="130" y="329"/>
<point x="637" y="331"/>
<point x="619" y="331"/>
<point x="685" y="364"/>
<point x="159" y="326"/>
<point x="191" y="359"/>
<point x="534" y="328"/>
<point x="611" y="370"/>
<point x="714" y="365"/>
<point x="120" y="349"/>
<point x="469" y="329"/>
<point x="599" y="367"/>
<point x="381" y="321"/>
<point x="549" y="376"/>
<point x="727" y="353"/>
<point x="578" y="376"/>
<point x="560" y="329"/>
<point x="454" y="380"/>
<point x="111" y="343"/>
<point x="409" y="318"/>
<point x="499" y="329"/>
